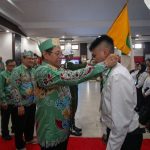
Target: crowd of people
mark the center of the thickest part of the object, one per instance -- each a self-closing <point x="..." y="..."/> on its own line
<point x="141" y="76"/>
<point x="47" y="95"/>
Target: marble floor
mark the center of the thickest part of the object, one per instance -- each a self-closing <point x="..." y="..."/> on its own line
<point x="88" y="115"/>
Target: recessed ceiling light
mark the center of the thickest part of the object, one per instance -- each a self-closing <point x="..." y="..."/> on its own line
<point x="137" y="35"/>
<point x="136" y="39"/>
<point x="7" y="31"/>
<point x="63" y="37"/>
<point x="62" y="40"/>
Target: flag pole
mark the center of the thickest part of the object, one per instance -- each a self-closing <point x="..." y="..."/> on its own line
<point x="132" y="63"/>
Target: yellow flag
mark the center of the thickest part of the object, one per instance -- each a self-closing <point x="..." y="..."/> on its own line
<point x="120" y="31"/>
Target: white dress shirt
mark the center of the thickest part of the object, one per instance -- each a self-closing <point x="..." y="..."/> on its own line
<point x="141" y="79"/>
<point x="117" y="107"/>
<point x="146" y="86"/>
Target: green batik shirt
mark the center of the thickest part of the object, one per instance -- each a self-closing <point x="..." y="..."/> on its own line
<point x="53" y="100"/>
<point x="5" y="88"/>
<point x="36" y="66"/>
<point x="2" y="67"/>
<point x="71" y="66"/>
<point x="23" y="85"/>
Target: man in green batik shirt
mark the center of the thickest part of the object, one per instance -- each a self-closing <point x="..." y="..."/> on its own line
<point x="2" y="67"/>
<point x="74" y="91"/>
<point x="6" y="98"/>
<point x="53" y="95"/>
<point x="23" y="85"/>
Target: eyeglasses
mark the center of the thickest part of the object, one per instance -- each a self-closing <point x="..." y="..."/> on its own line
<point x="57" y="54"/>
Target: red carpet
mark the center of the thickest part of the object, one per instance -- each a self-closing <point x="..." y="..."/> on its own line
<point x="74" y="144"/>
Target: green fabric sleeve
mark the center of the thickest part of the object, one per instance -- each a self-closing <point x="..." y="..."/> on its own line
<point x="2" y="85"/>
<point x="47" y="77"/>
<point x="72" y="66"/>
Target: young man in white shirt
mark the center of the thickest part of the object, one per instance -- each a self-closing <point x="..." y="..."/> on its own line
<point x="145" y="114"/>
<point x="146" y="86"/>
<point x="118" y="101"/>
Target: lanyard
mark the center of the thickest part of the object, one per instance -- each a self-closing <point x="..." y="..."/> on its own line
<point x="103" y="82"/>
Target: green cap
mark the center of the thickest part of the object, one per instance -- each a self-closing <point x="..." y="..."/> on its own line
<point x="28" y="54"/>
<point x="46" y="45"/>
<point x="50" y="43"/>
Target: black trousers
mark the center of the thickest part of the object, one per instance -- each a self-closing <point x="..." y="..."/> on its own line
<point x="133" y="140"/>
<point x="74" y="102"/>
<point x="61" y="146"/>
<point x="140" y="99"/>
<point x="144" y="114"/>
<point x="5" y="116"/>
<point x="24" y="125"/>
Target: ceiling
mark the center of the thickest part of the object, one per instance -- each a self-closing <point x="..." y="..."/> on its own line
<point x="1" y="29"/>
<point x="80" y="19"/>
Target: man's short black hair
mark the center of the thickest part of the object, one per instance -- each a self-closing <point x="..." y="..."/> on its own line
<point x="9" y="61"/>
<point x="35" y="55"/>
<point x="103" y="38"/>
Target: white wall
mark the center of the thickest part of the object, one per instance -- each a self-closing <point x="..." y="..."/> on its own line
<point x="138" y="52"/>
<point x="29" y="44"/>
<point x="6" y="46"/>
<point x="89" y="54"/>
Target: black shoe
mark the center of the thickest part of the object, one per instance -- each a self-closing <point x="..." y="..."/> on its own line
<point x="7" y="138"/>
<point x="75" y="133"/>
<point x="77" y="129"/>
